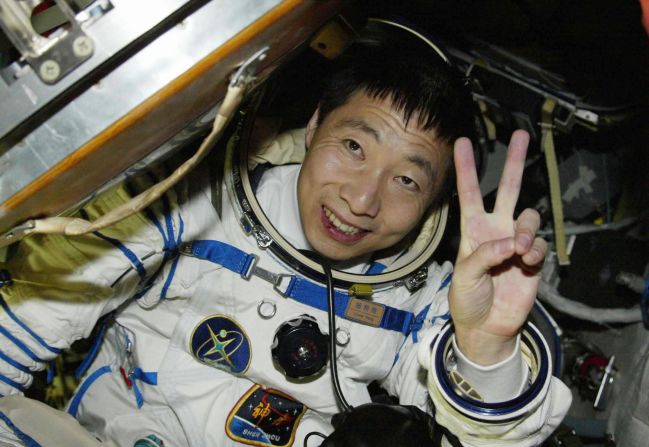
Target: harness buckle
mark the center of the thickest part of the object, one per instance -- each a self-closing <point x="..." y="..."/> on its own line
<point x="279" y="279"/>
<point x="251" y="267"/>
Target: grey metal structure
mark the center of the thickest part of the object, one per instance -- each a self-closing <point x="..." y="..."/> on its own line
<point x="117" y="24"/>
<point x="148" y="75"/>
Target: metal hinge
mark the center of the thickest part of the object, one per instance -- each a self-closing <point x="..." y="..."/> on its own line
<point x="417" y="279"/>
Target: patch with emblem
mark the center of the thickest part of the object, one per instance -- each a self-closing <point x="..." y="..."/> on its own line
<point x="265" y="417"/>
<point x="220" y="342"/>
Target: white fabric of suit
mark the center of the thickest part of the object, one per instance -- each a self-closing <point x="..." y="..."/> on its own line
<point x="62" y="286"/>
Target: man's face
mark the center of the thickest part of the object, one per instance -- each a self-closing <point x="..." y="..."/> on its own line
<point x="367" y="179"/>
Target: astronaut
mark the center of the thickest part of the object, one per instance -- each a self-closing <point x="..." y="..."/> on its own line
<point x="211" y="307"/>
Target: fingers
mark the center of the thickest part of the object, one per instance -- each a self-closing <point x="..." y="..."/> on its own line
<point x="488" y="255"/>
<point x="494" y="254"/>
<point x="468" y="187"/>
<point x="525" y="229"/>
<point x="536" y="255"/>
<point x="531" y="249"/>
<point x="510" y="181"/>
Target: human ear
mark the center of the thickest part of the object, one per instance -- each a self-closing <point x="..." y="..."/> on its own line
<point x="311" y="127"/>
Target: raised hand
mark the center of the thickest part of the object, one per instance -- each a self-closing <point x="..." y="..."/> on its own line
<point x="498" y="264"/>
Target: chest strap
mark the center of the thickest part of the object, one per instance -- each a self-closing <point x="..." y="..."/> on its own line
<point x="301" y="290"/>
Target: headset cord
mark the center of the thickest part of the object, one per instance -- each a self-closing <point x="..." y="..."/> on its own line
<point x="331" y="313"/>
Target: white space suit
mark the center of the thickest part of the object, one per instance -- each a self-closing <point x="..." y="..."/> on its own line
<point x="185" y="357"/>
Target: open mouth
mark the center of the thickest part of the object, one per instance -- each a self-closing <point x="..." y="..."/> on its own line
<point x="339" y="230"/>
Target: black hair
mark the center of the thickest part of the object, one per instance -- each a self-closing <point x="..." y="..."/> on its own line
<point x="410" y="74"/>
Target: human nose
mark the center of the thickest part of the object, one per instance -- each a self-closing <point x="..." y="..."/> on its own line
<point x="362" y="194"/>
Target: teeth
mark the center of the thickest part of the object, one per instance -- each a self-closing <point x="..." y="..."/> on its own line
<point x="347" y="229"/>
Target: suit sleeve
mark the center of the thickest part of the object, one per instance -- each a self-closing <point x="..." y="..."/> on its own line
<point x="431" y="374"/>
<point x="60" y="286"/>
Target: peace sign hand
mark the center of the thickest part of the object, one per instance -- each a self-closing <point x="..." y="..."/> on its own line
<point x="497" y="270"/>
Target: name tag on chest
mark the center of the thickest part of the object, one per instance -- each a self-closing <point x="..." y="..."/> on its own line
<point x="365" y="312"/>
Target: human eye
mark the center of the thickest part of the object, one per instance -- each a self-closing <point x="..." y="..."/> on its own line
<point x="407" y="182"/>
<point x="353" y="146"/>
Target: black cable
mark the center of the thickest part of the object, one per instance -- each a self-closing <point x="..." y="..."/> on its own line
<point x="306" y="438"/>
<point x="331" y="313"/>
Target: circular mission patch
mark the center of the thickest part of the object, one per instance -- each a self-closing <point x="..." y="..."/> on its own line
<point x="220" y="342"/>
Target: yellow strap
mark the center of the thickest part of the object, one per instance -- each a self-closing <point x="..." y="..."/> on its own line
<point x="547" y="143"/>
<point x="490" y="126"/>
<point x="73" y="226"/>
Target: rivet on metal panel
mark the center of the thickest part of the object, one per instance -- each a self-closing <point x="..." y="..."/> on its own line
<point x="50" y="71"/>
<point x="82" y="47"/>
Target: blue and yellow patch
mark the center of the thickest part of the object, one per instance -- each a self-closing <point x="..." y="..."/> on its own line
<point x="220" y="342"/>
<point x="265" y="417"/>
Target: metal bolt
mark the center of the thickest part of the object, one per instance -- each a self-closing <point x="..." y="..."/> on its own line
<point x="50" y="70"/>
<point x="82" y="47"/>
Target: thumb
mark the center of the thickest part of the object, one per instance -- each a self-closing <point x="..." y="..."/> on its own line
<point x="488" y="255"/>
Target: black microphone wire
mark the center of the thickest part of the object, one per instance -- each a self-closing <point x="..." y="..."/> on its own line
<point x="331" y="313"/>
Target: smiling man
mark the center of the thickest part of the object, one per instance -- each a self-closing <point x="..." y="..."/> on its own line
<point x="210" y="337"/>
<point x="367" y="179"/>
